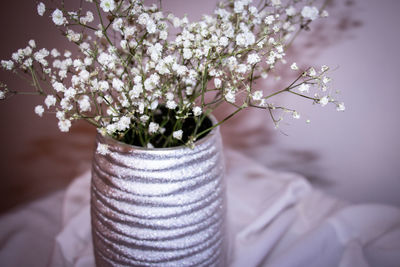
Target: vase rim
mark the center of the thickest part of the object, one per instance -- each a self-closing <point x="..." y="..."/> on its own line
<point x="209" y="135"/>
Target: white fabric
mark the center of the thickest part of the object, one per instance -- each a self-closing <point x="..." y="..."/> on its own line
<point x="275" y="219"/>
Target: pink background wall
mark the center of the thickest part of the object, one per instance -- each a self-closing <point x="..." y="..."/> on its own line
<point x="353" y="155"/>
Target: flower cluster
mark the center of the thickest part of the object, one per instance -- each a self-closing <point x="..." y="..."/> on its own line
<point x="137" y="82"/>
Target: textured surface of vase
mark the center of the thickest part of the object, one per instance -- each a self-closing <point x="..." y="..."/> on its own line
<point x="159" y="207"/>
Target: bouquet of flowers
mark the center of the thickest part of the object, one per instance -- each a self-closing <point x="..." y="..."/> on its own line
<point x="149" y="78"/>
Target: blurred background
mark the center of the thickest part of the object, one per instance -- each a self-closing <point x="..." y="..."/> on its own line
<point x="353" y="155"/>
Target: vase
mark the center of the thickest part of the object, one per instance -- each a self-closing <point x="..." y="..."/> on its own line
<point x="159" y="207"/>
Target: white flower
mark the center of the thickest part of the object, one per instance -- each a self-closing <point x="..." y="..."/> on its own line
<point x="241" y="68"/>
<point x="326" y="80"/>
<point x="41" y="8"/>
<point x="177" y="134"/>
<point x="217" y="83"/>
<point x="143" y="18"/>
<point x="32" y="43"/>
<point x="257" y="95"/>
<point x="60" y="115"/>
<point x="187" y="53"/>
<point x="171" y="104"/>
<point x="294" y="66"/>
<point x="54" y="53"/>
<point x="39" y="110"/>
<point x="324" y="14"/>
<point x="340" y="107"/>
<point x="70" y="92"/>
<point x="223" y="41"/>
<point x="102" y="149"/>
<point x="149" y="145"/>
<point x="58" y="17"/>
<point x="144" y="118"/>
<point x="312" y="72"/>
<point x="153" y="127"/>
<point x="269" y="20"/>
<point x="107" y="5"/>
<point x="50" y="101"/>
<point x="296" y="115"/>
<point x="324" y="101"/>
<point x="253" y="59"/>
<point x="276" y="2"/>
<point x="28" y="62"/>
<point x="304" y="87"/>
<point x="290" y="11"/>
<point x="7" y="64"/>
<point x="84" y="75"/>
<point x="151" y="27"/>
<point x="230" y="96"/>
<point x="84" y="104"/>
<point x="103" y="86"/>
<point x="117" y="84"/>
<point x="124" y="123"/>
<point x="245" y="39"/>
<point x="238" y="6"/>
<point x="151" y="82"/>
<point x="2" y="95"/>
<point x="197" y="111"/>
<point x="64" y="125"/>
<point x="310" y="12"/>
<point x="163" y="35"/>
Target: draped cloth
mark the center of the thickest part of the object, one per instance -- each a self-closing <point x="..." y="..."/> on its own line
<point x="274" y="219"/>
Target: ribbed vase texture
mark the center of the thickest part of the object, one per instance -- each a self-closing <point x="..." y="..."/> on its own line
<point x="159" y="207"/>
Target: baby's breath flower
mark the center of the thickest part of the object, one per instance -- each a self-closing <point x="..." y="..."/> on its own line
<point x="312" y="72"/>
<point x="149" y="145"/>
<point x="326" y="80"/>
<point x="340" y="107"/>
<point x="32" y="43"/>
<point x="197" y="111"/>
<point x="304" y="87"/>
<point x="290" y="11"/>
<point x="295" y="115"/>
<point x="257" y="95"/>
<point x="171" y="104"/>
<point x="177" y="134"/>
<point x="276" y="2"/>
<point x="39" y="110"/>
<point x="41" y="8"/>
<point x="7" y="64"/>
<point x="269" y="19"/>
<point x="294" y="66"/>
<point x="58" y="17"/>
<point x="253" y="59"/>
<point x="310" y="12"/>
<point x="107" y="5"/>
<point x="64" y="125"/>
<point x="117" y="84"/>
<point x="50" y="101"/>
<point x="153" y="127"/>
<point x="230" y="96"/>
<point x="324" y="101"/>
<point x="84" y="104"/>
<point x="324" y="14"/>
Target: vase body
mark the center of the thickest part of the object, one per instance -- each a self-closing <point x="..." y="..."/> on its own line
<point x="159" y="207"/>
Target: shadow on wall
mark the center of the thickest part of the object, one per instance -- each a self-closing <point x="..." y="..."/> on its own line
<point x="46" y="164"/>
